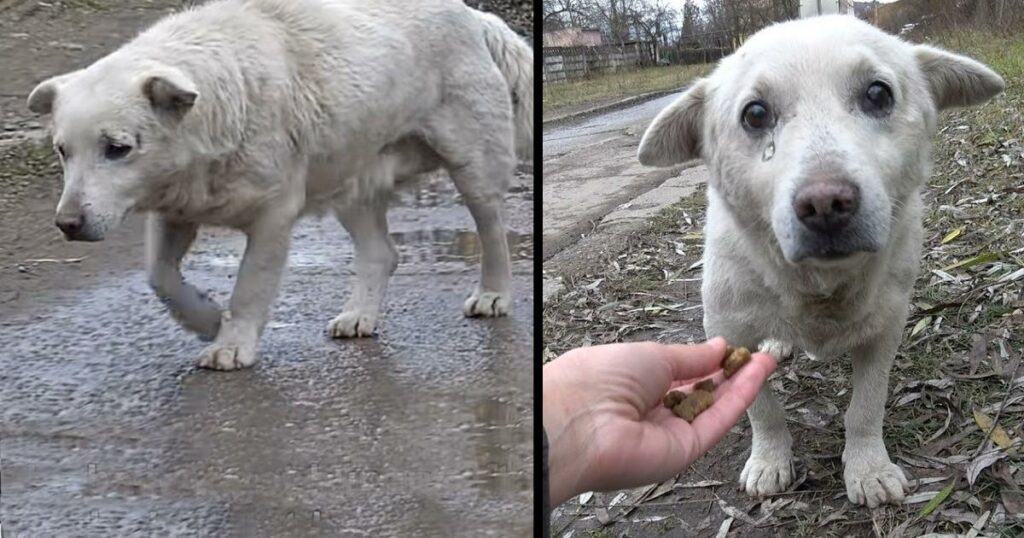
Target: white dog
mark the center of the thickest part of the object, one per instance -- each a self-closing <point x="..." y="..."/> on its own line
<point x="249" y="113"/>
<point x="816" y="134"/>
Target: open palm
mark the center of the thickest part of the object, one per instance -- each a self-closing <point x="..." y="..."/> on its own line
<point x="605" y="422"/>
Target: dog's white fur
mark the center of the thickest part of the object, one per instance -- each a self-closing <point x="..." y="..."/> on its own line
<point x="760" y="288"/>
<point x="250" y="113"/>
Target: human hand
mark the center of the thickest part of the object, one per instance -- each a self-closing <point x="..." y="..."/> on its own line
<point x="605" y="423"/>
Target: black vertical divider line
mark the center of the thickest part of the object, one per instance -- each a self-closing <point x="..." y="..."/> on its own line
<point x="540" y="480"/>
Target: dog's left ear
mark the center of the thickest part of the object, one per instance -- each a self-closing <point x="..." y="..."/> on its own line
<point x="170" y="92"/>
<point x="675" y="134"/>
<point x="957" y="80"/>
<point x="44" y="95"/>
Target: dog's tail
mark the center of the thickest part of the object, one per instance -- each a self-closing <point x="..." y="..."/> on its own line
<point x="514" y="58"/>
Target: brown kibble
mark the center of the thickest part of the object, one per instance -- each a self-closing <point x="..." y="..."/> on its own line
<point x="693" y="405"/>
<point x="708" y="385"/>
<point x="735" y="360"/>
<point x="673" y="398"/>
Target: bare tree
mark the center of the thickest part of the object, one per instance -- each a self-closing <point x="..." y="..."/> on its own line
<point x="563" y="14"/>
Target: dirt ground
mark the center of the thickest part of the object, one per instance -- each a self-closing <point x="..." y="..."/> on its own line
<point x="956" y="398"/>
<point x="107" y="427"/>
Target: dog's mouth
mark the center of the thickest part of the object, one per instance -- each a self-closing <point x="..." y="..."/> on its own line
<point x="831" y="252"/>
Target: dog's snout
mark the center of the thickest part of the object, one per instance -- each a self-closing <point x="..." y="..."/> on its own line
<point x="71" y="225"/>
<point x="826" y="206"/>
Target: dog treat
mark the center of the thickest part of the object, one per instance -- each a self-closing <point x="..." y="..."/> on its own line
<point x="707" y="385"/>
<point x="694" y="404"/>
<point x="673" y="398"/>
<point x="735" y="358"/>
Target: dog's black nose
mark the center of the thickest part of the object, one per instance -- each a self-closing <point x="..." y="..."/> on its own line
<point x="71" y="225"/>
<point x="826" y="206"/>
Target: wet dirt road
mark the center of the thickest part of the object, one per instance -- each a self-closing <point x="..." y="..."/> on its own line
<point x="108" y="429"/>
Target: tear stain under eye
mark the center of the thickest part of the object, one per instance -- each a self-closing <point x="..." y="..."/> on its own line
<point x="769" y="150"/>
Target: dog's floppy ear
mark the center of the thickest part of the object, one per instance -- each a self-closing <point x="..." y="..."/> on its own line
<point x="957" y="80"/>
<point x="170" y="92"/>
<point x="42" y="97"/>
<point x="674" y="135"/>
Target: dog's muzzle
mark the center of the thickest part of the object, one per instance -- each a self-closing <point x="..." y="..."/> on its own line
<point x="829" y="227"/>
<point x="75" y="228"/>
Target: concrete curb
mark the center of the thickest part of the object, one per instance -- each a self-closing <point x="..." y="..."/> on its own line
<point x="636" y="99"/>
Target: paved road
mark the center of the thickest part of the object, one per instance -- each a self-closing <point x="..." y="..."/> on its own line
<point x="565" y="137"/>
<point x="590" y="168"/>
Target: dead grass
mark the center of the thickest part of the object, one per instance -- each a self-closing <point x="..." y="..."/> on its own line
<point x="956" y="399"/>
<point x="577" y="95"/>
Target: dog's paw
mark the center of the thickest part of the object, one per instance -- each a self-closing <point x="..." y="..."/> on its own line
<point x="776" y="348"/>
<point x="226" y="357"/>
<point x="487" y="304"/>
<point x="196" y="311"/>
<point x="874" y="481"/>
<point x="767" y="472"/>
<point x="352" y="324"/>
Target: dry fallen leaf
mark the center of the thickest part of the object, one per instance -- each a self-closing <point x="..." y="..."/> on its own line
<point x="999" y="435"/>
<point x="952" y="235"/>
<point x="978" y="351"/>
<point x="723" y="531"/>
<point x="936" y="500"/>
<point x="920" y="325"/>
<point x="982" y="462"/>
<point x="986" y="257"/>
<point x="1014" y="502"/>
<point x="701" y="484"/>
<point x="979" y="525"/>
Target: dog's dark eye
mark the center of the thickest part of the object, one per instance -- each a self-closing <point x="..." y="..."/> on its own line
<point x="60" y="151"/>
<point x="756" y="116"/>
<point x="877" y="99"/>
<point x="114" y="151"/>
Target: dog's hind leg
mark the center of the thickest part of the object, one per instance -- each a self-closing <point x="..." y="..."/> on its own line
<point x="871" y="477"/>
<point x="492" y="296"/>
<point x="474" y="137"/>
<point x="376" y="259"/>
<point x="166" y="245"/>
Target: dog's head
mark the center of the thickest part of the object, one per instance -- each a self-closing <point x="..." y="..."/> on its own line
<point x="819" y="130"/>
<point x="114" y="129"/>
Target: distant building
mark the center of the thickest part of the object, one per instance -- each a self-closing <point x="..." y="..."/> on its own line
<point x="811" y="8"/>
<point x="572" y="37"/>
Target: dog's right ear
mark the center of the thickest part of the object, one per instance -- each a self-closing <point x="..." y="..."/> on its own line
<point x="674" y="135"/>
<point x="42" y="97"/>
<point x="170" y="92"/>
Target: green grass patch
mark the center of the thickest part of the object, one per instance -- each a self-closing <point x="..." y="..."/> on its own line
<point x="564" y="97"/>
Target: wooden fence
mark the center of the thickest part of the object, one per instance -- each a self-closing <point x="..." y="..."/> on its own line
<point x="572" y="63"/>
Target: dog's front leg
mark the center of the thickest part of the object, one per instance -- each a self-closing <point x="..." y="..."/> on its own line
<point x="259" y="275"/>
<point x="871" y="477"/>
<point x="166" y="245"/>
<point x="769" y="469"/>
